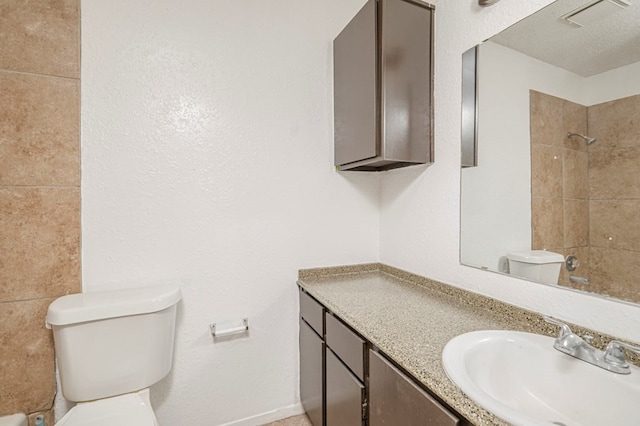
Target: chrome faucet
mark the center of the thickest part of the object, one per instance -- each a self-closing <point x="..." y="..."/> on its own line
<point x="611" y="359"/>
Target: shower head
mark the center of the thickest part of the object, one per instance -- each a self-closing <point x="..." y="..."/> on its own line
<point x="587" y="139"/>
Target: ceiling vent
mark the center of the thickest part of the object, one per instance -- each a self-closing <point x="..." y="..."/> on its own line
<point x="594" y="11"/>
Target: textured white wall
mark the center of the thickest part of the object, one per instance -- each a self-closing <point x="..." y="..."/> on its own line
<point x="420" y="221"/>
<point x="207" y="159"/>
<point x="615" y="84"/>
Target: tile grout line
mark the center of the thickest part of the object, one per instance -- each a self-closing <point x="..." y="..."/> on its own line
<point x="39" y="74"/>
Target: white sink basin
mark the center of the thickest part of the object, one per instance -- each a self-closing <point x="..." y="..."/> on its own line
<point x="522" y="379"/>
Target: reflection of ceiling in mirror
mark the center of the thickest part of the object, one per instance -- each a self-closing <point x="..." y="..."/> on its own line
<point x="608" y="43"/>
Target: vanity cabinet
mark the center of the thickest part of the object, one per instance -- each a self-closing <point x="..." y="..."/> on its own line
<point x="346" y="399"/>
<point x="383" y="87"/>
<point x="345" y="394"/>
<point x="346" y="381"/>
<point x="394" y="399"/>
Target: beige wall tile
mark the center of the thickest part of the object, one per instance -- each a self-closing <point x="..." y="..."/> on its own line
<point x="553" y="118"/>
<point x="574" y="120"/>
<point x="40" y="130"/>
<point x="546" y="124"/>
<point x="576" y="223"/>
<point x="615" y="273"/>
<point x="575" y="173"/>
<point x="40" y="37"/>
<point x="609" y="175"/>
<point x="616" y="124"/>
<point x="547" y="219"/>
<point x="546" y="171"/>
<point x="26" y="357"/>
<point x="615" y="224"/>
<point x="614" y="186"/>
<point x="614" y="173"/>
<point x="39" y="227"/>
<point x="40" y="242"/>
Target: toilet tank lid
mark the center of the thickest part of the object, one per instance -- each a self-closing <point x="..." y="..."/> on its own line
<point x="92" y="306"/>
<point x="535" y="256"/>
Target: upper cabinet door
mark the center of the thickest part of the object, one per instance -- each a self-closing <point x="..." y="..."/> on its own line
<point x="355" y="88"/>
<point x="383" y="87"/>
<point x="406" y="80"/>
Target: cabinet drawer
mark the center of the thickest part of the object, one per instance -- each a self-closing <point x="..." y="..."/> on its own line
<point x="394" y="399"/>
<point x="311" y="311"/>
<point x="346" y="344"/>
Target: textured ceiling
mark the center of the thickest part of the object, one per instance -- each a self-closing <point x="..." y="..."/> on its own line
<point x="604" y="45"/>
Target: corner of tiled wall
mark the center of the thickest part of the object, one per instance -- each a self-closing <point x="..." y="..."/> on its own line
<point x="39" y="191"/>
<point x="614" y="206"/>
<point x="586" y="198"/>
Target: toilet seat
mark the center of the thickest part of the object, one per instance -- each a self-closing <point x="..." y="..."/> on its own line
<point x="132" y="409"/>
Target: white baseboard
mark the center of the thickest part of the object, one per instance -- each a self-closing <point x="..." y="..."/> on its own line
<point x="269" y="416"/>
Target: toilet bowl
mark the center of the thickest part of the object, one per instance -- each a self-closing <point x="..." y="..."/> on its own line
<point x="132" y="409"/>
<point x="110" y="348"/>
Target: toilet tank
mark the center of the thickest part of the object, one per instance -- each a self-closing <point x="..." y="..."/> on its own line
<point x="536" y="265"/>
<point x="14" y="420"/>
<point x="113" y="342"/>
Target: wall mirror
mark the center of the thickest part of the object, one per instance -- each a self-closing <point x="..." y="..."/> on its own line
<point x="557" y="160"/>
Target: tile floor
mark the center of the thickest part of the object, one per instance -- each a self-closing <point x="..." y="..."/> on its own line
<point x="301" y="420"/>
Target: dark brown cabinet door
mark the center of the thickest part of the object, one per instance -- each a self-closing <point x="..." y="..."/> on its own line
<point x="355" y="88"/>
<point x="383" y="86"/>
<point x="407" y="80"/>
<point x="345" y="394"/>
<point x="311" y="353"/>
<point x="395" y="400"/>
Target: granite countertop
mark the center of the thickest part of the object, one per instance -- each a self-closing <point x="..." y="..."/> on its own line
<point x="411" y="318"/>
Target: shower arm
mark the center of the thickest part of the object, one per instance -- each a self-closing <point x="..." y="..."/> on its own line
<point x="587" y="139"/>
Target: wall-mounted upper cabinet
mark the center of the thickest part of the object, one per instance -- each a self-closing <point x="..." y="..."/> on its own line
<point x="383" y="87"/>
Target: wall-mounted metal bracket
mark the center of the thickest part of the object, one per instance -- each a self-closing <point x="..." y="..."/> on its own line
<point x="225" y="329"/>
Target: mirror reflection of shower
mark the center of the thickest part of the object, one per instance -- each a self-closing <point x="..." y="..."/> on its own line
<point x="587" y="139"/>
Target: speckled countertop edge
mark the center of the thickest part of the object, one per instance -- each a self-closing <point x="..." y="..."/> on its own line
<point x="472" y="311"/>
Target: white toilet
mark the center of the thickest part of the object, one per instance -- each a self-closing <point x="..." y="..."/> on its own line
<point x="536" y="265"/>
<point x="110" y="347"/>
<point x="18" y="419"/>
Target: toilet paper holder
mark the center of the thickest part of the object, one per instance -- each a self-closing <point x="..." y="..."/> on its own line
<point x="219" y="329"/>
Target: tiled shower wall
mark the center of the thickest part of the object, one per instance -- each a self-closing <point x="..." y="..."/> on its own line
<point x="614" y="188"/>
<point x="39" y="191"/>
<point x="559" y="180"/>
<point x="586" y="199"/>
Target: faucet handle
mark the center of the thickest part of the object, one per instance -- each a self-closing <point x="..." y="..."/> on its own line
<point x="564" y="328"/>
<point x="615" y="355"/>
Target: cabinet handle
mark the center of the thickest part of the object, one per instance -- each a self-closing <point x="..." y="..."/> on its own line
<point x="364" y="409"/>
